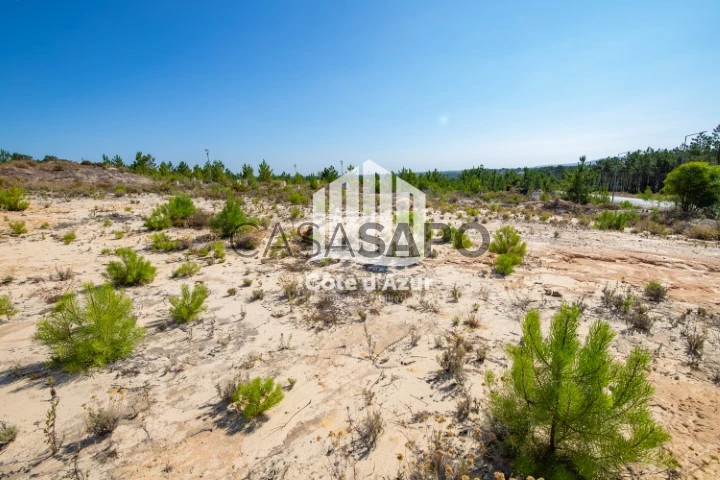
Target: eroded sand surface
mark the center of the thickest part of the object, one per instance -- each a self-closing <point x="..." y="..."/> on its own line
<point x="176" y="426"/>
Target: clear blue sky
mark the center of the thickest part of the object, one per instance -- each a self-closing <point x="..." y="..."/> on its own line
<point x="423" y="84"/>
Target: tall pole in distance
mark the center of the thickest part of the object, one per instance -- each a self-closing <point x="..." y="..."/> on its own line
<point x="614" y="187"/>
<point x="207" y="154"/>
<point x="685" y="144"/>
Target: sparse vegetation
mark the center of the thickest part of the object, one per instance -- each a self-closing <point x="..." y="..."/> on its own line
<point x="132" y="269"/>
<point x="90" y="333"/>
<point x="190" y="304"/>
<point x="255" y="397"/>
<point x="257" y="294"/>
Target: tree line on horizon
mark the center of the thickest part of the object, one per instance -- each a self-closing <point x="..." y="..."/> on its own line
<point x="641" y="171"/>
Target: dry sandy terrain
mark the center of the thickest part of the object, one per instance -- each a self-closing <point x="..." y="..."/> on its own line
<point x="175" y="424"/>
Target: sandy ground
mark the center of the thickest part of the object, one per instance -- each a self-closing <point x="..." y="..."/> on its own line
<point x="175" y="424"/>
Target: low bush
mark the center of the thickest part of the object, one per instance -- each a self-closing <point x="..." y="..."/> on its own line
<point x="7" y="434"/>
<point x="655" y="292"/>
<point x="190" y="304"/>
<point x="218" y="250"/>
<point x="174" y="213"/>
<point x="13" y="199"/>
<point x="256" y="396"/>
<point x="187" y="269"/>
<point x="93" y="333"/>
<point x="68" y="238"/>
<point x="702" y="232"/>
<point x="7" y="309"/>
<point x="17" y="228"/>
<point x="608" y="220"/>
<point x="162" y="241"/>
<point x="132" y="269"/>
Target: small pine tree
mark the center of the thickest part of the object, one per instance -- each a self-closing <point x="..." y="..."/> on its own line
<point x="507" y="240"/>
<point x="255" y="397"/>
<point x="132" y="269"/>
<point x="94" y="333"/>
<point x="230" y="218"/>
<point x="189" y="305"/>
<point x="568" y="410"/>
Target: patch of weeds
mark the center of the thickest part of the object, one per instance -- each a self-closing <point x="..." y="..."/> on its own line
<point x="452" y="360"/>
<point x="101" y="421"/>
<point x="257" y="294"/>
<point x="247" y="282"/>
<point x="7" y="309"/>
<point x="455" y="293"/>
<point x="655" y="292"/>
<point x="161" y="241"/>
<point x="68" y="238"/>
<point x="8" y="433"/>
<point x="17" y="228"/>
<point x="185" y="270"/>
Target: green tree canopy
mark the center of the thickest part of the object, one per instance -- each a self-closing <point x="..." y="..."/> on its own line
<point x="694" y="185"/>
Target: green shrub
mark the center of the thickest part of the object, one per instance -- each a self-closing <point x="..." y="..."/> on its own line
<point x="655" y="292"/>
<point x="162" y="241"/>
<point x="158" y="220"/>
<point x="174" y="213"/>
<point x="255" y="397"/>
<point x="13" y="199"/>
<point x="92" y="333"/>
<point x="297" y="198"/>
<point x="218" y="249"/>
<point x="507" y="240"/>
<point x="568" y="410"/>
<point x="7" y="434"/>
<point x="608" y="220"/>
<point x="44" y="226"/>
<point x="132" y="269"/>
<point x="17" y="228"/>
<point x="119" y="234"/>
<point x="189" y="305"/>
<point x="229" y="218"/>
<point x="506" y="263"/>
<point x="461" y="240"/>
<point x="6" y="307"/>
<point x="68" y="238"/>
<point x="120" y="191"/>
<point x="295" y="213"/>
<point x="187" y="269"/>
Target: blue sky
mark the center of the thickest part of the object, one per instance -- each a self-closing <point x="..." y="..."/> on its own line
<point x="422" y="84"/>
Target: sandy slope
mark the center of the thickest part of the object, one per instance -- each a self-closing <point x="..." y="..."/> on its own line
<point x="175" y="424"/>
